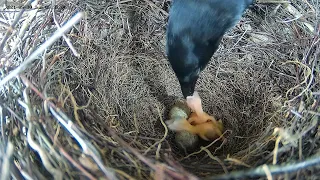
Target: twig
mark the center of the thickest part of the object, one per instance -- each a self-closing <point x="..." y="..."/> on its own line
<point x="162" y="139"/>
<point x="124" y="174"/>
<point x="76" y="107"/>
<point x="86" y="146"/>
<point x="136" y="153"/>
<point x="134" y="163"/>
<point x="216" y="159"/>
<point x="274" y="169"/>
<point x="275" y="151"/>
<point x="155" y="6"/>
<point x="68" y="41"/>
<point x="22" y="32"/>
<point x="5" y="170"/>
<point x="12" y="26"/>
<point x="76" y="164"/>
<point x="57" y="174"/>
<point x="146" y="160"/>
<point x="308" y="76"/>
<point x="206" y="147"/>
<point x="272" y="2"/>
<point x="58" y="34"/>
<point x="237" y="161"/>
<point x="267" y="171"/>
<point x="4" y="24"/>
<point x="2" y="123"/>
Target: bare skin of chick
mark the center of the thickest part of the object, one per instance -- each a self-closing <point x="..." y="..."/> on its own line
<point x="208" y="131"/>
<point x="194" y="102"/>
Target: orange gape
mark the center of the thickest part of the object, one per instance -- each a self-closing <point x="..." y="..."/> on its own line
<point x="194" y="102"/>
<point x="210" y="130"/>
<point x="199" y="122"/>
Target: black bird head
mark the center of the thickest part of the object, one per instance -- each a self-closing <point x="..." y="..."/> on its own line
<point x="194" y="32"/>
<point x="188" y="83"/>
<point x="184" y="62"/>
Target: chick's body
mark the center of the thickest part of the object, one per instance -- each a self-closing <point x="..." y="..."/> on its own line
<point x="208" y="131"/>
<point x="179" y="110"/>
<point x="184" y="139"/>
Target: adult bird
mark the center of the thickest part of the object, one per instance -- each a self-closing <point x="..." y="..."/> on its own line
<point x="194" y="32"/>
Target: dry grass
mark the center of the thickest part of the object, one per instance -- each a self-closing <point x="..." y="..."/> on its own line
<point x="107" y="93"/>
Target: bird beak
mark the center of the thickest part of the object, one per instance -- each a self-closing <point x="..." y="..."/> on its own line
<point x="188" y="87"/>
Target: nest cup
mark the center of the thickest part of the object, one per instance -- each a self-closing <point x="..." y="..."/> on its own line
<point x="94" y="103"/>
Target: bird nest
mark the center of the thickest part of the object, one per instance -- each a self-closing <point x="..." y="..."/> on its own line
<point x="86" y="89"/>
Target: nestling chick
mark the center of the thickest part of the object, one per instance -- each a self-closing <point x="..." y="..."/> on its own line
<point x="194" y="102"/>
<point x="184" y="139"/>
<point x="208" y="131"/>
<point x="179" y="110"/>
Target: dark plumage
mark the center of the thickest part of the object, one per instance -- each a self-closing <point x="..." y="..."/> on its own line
<point x="194" y="32"/>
